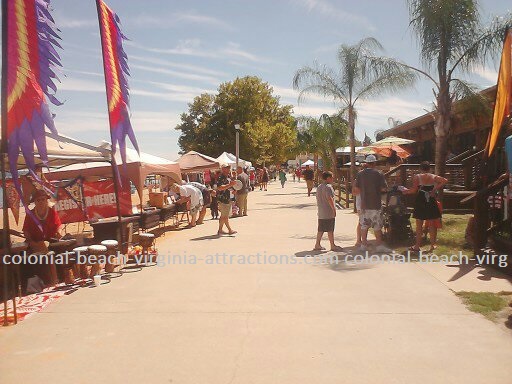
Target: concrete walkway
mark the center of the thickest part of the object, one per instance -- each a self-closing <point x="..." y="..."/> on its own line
<point x="261" y="323"/>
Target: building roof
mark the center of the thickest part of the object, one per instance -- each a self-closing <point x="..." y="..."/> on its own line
<point x="426" y="118"/>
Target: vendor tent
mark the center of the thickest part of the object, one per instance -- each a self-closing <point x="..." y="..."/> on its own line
<point x="63" y="150"/>
<point x="229" y="158"/>
<point x="225" y="159"/>
<point x="241" y="162"/>
<point x="193" y="161"/>
<point x="136" y="170"/>
<point x="308" y="162"/>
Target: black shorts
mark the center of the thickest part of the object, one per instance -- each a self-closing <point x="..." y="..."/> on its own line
<point x="326" y="225"/>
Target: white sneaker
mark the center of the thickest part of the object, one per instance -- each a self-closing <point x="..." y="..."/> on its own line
<point x="383" y="249"/>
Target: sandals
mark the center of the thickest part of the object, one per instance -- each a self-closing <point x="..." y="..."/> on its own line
<point x="319" y="249"/>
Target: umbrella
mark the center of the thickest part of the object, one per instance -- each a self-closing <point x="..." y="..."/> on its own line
<point x="386" y="151"/>
<point x="366" y="151"/>
<point x="392" y="140"/>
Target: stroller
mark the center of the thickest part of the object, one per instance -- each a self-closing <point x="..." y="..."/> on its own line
<point x="396" y="217"/>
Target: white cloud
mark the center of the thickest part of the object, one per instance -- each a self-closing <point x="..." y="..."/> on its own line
<point x="178" y="19"/>
<point x="374" y="114"/>
<point x="182" y="75"/>
<point x="490" y="75"/>
<point x="194" y="47"/>
<point x="179" y="94"/>
<point x="325" y="8"/>
<point x="81" y="85"/>
<point x="188" y="67"/>
<point x="64" y="22"/>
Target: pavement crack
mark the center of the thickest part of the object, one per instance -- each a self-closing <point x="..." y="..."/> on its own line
<point x="242" y="347"/>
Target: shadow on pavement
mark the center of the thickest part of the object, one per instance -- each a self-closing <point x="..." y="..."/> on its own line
<point x="209" y="237"/>
<point x="313" y="237"/>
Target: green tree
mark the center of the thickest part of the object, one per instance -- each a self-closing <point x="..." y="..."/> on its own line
<point x="271" y="143"/>
<point x="208" y="126"/>
<point x="361" y="76"/>
<point x="194" y="126"/>
<point x="322" y="137"/>
<point x="452" y="41"/>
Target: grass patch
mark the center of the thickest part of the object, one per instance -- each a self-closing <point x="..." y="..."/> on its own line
<point x="450" y="238"/>
<point x="488" y="304"/>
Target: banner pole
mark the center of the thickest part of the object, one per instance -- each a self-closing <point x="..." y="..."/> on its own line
<point x="6" y="236"/>
<point x="113" y="165"/>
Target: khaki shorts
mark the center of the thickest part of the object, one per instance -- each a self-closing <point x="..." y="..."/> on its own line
<point x="310" y="184"/>
<point x="224" y="209"/>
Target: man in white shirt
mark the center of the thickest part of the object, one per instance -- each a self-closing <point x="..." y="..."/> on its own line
<point x="192" y="194"/>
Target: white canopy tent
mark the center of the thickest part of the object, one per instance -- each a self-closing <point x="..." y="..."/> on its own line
<point x="308" y="162"/>
<point x="136" y="170"/>
<point x="229" y="158"/>
<point x="63" y="150"/>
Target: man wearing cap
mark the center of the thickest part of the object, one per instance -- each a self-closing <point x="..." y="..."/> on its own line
<point x="224" y="182"/>
<point x="370" y="184"/>
<point x="49" y="224"/>
<point x="241" y="195"/>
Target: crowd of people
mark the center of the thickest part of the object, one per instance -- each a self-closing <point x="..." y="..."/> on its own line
<point x="369" y="186"/>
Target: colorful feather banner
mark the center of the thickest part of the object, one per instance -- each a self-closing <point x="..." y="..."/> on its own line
<point x="115" y="63"/>
<point x="32" y="59"/>
<point x="503" y="95"/>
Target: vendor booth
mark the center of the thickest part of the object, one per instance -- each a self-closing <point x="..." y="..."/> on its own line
<point x="194" y="162"/>
<point x="229" y="158"/>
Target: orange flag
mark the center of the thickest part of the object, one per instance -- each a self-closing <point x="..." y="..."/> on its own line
<point x="503" y="94"/>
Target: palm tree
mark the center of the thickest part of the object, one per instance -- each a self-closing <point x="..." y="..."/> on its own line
<point x="335" y="130"/>
<point x="452" y="40"/>
<point x="361" y="75"/>
<point x="322" y="137"/>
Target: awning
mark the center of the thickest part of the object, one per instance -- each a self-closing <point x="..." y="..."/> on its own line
<point x="137" y="168"/>
<point x="193" y="161"/>
<point x="63" y="150"/>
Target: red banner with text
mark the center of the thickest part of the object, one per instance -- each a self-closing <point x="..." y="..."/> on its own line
<point x="100" y="199"/>
<point x="69" y="204"/>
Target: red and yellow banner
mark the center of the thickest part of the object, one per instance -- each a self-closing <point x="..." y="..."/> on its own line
<point x="503" y="95"/>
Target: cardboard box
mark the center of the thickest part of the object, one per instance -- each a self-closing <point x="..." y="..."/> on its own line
<point x="157" y="199"/>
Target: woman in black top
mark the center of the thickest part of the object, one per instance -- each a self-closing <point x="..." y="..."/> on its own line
<point x="426" y="206"/>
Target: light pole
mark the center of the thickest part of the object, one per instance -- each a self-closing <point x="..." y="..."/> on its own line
<point x="237" y="144"/>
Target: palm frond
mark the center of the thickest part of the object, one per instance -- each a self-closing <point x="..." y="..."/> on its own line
<point x="444" y="29"/>
<point x="486" y="47"/>
<point x="471" y="100"/>
<point x="318" y="79"/>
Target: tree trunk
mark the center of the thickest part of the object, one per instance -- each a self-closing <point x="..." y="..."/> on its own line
<point x="352" y="127"/>
<point x="334" y="161"/>
<point x="442" y="129"/>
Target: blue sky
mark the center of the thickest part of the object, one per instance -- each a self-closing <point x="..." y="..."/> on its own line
<point x="180" y="49"/>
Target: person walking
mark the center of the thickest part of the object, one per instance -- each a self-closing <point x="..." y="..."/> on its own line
<point x="224" y="183"/>
<point x="426" y="206"/>
<point x="241" y="195"/>
<point x="282" y="177"/>
<point x="370" y="184"/>
<point x="264" y="178"/>
<point x="309" y="176"/>
<point x="252" y="179"/>
<point x="326" y="212"/>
